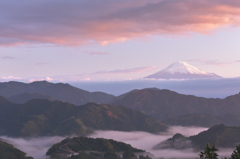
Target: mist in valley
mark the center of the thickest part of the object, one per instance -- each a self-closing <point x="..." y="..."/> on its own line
<point x="37" y="147"/>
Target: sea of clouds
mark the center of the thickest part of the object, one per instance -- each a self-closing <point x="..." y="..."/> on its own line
<point x="37" y="147"/>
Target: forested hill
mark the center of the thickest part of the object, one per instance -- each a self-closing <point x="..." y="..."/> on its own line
<point x="90" y="148"/>
<point x="41" y="117"/>
<point x="8" y="151"/>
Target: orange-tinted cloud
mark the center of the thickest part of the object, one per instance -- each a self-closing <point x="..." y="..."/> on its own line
<point x="80" y="22"/>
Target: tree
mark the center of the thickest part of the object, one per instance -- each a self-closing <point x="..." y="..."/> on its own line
<point x="236" y="153"/>
<point x="129" y="155"/>
<point x="209" y="152"/>
<point x="143" y="157"/>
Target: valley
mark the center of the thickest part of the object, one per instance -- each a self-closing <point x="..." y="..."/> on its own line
<point x="27" y="112"/>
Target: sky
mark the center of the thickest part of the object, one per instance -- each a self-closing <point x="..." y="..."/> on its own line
<point x="88" y="40"/>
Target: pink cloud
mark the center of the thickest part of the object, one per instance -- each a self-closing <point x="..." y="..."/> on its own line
<point x="82" y="22"/>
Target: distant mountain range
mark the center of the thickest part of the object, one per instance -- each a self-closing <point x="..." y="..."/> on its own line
<point x="163" y="104"/>
<point x="21" y="92"/>
<point x="220" y="135"/>
<point x="182" y="70"/>
<point x="41" y="117"/>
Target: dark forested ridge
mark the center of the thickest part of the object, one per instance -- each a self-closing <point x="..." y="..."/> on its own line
<point x="8" y="151"/>
<point x="59" y="91"/>
<point x="40" y="117"/>
<point x="219" y="135"/>
<point x="163" y="104"/>
<point x="89" y="148"/>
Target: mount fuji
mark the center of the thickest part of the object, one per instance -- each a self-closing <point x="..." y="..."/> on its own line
<point x="182" y="70"/>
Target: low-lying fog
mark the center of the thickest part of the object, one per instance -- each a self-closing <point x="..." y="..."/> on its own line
<point x="37" y="147"/>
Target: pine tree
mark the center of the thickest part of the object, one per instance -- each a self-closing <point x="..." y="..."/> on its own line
<point x="236" y="153"/>
<point x="209" y="152"/>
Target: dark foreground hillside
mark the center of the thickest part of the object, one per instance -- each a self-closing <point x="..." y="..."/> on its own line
<point x="99" y="148"/>
<point x="8" y="151"/>
<point x="220" y="135"/>
<point x="42" y="117"/>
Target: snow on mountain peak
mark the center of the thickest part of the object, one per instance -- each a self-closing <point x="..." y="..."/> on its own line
<point x="183" y="67"/>
<point x="182" y="70"/>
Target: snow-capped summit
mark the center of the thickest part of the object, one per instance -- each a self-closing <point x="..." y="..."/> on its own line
<point x="182" y="70"/>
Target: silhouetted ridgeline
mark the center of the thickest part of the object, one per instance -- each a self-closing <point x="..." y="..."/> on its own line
<point x="16" y="92"/>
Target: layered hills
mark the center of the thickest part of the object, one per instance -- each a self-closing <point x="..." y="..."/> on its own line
<point x="41" y="117"/>
<point x="220" y="135"/>
<point x="21" y="92"/>
<point x="163" y="104"/>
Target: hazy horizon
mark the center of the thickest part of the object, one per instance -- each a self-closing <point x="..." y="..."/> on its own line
<point x="219" y="88"/>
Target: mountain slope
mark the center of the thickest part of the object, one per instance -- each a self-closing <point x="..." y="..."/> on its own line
<point x="182" y="70"/>
<point x="40" y="117"/>
<point x="58" y="91"/>
<point x="25" y="97"/>
<point x="163" y="104"/>
<point x="204" y="120"/>
<point x="220" y="135"/>
<point x="8" y="151"/>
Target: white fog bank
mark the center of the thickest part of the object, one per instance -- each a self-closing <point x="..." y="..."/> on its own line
<point x="37" y="147"/>
<point x="146" y="141"/>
